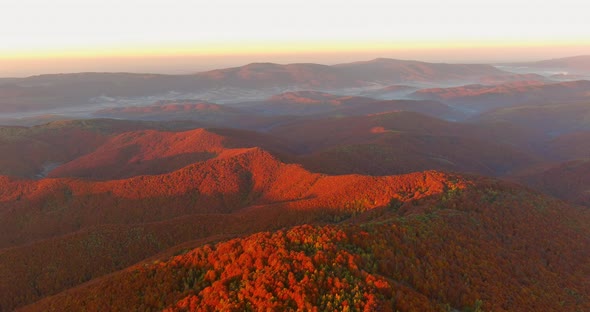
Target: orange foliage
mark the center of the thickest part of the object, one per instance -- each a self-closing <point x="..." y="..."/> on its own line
<point x="247" y="190"/>
<point x="492" y="247"/>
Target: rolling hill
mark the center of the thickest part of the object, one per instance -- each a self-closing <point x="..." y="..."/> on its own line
<point x="429" y="108"/>
<point x="304" y="103"/>
<point x="570" y="146"/>
<point x="269" y="75"/>
<point x="245" y="189"/>
<point x="513" y="78"/>
<point x="394" y="71"/>
<point x="169" y="109"/>
<point x="320" y="104"/>
<point x="576" y="64"/>
<point x="481" y="98"/>
<point x="469" y="250"/>
<point x="551" y="119"/>
<point x="155" y="152"/>
<point x="402" y="142"/>
<point x="569" y="180"/>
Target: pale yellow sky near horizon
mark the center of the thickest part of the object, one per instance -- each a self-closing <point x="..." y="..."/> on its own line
<point x="183" y="36"/>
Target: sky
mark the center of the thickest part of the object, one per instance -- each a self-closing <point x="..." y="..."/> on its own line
<point x="40" y="36"/>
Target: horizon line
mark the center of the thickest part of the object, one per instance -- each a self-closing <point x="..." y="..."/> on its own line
<point x="279" y="64"/>
<point x="186" y="64"/>
<point x="276" y="48"/>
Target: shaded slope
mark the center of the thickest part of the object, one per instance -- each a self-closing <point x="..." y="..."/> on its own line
<point x="507" y="78"/>
<point x="238" y="115"/>
<point x="568" y="180"/>
<point x="403" y="153"/>
<point x="305" y="103"/>
<point x="570" y="146"/>
<point x="320" y="104"/>
<point x="429" y="108"/>
<point x="402" y="142"/>
<point x="172" y="110"/>
<point x="552" y="119"/>
<point x="484" y="98"/>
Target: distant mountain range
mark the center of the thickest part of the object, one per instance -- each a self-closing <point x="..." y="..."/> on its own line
<point x="479" y="98"/>
<point x="575" y="64"/>
<point x="47" y="92"/>
<point x="256" y="81"/>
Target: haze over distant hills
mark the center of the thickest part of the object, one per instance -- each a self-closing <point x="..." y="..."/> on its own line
<point x="86" y="91"/>
<point x="484" y="98"/>
<point x="574" y="64"/>
<point x="256" y="80"/>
